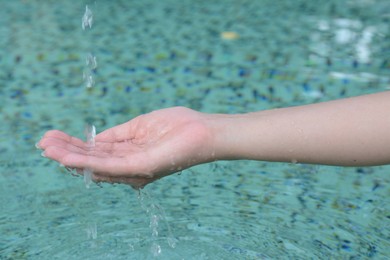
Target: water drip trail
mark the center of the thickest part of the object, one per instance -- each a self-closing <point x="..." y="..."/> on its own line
<point x="156" y="215"/>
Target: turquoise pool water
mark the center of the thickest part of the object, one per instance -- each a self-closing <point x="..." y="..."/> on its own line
<point x="155" y="54"/>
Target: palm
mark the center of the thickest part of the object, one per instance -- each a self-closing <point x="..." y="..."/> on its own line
<point x="137" y="152"/>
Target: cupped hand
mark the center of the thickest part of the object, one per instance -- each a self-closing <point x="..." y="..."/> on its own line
<point x="139" y="151"/>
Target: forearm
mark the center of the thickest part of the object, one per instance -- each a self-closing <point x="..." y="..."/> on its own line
<point x="347" y="132"/>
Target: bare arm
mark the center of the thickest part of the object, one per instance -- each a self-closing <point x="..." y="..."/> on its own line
<point x="346" y="132"/>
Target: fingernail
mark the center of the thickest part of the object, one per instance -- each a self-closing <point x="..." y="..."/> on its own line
<point x="43" y="154"/>
<point x="37" y="146"/>
<point x="61" y="165"/>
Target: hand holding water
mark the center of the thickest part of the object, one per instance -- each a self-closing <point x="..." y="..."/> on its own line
<point x="137" y="152"/>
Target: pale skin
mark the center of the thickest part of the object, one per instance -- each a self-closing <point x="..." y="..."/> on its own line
<point x="347" y="132"/>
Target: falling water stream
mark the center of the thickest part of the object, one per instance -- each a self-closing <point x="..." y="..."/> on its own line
<point x="90" y="130"/>
<point x="91" y="65"/>
<point x="154" y="211"/>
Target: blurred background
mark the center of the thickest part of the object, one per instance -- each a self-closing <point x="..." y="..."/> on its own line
<point x="213" y="56"/>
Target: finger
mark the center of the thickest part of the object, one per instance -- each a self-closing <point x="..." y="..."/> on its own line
<point x="111" y="166"/>
<point x="101" y="149"/>
<point x="51" y="141"/>
<point x="118" y="149"/>
<point x="118" y="133"/>
<point x="62" y="136"/>
<point x="135" y="182"/>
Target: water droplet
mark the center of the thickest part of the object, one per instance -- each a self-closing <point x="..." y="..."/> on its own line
<point x="92" y="231"/>
<point x="87" y="177"/>
<point x="155" y="249"/>
<point x="91" y="61"/>
<point x="87" y="19"/>
<point x="171" y="242"/>
<point x="88" y="78"/>
<point x="90" y="133"/>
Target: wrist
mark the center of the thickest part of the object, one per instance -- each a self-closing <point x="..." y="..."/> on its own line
<point x="227" y="135"/>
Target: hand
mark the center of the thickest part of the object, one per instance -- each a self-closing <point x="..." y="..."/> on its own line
<point x="140" y="151"/>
